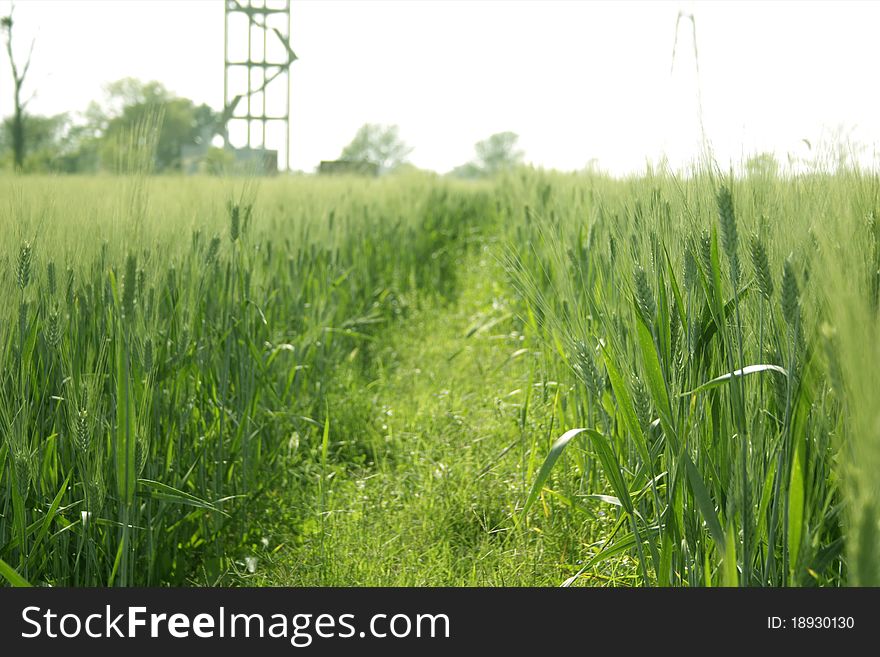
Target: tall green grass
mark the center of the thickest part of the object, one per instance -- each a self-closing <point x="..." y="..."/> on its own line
<point x="167" y="346"/>
<point x="720" y="339"/>
<point x="170" y="347"/>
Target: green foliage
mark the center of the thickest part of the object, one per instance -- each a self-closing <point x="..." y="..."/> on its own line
<point x="45" y="139"/>
<point x="429" y="452"/>
<point x="378" y="144"/>
<point x="218" y="161"/>
<point x="98" y="140"/>
<point x="158" y="392"/>
<point x="762" y="165"/>
<point x="496" y="154"/>
<point x="773" y="446"/>
<point x="140" y="430"/>
<point x="129" y="103"/>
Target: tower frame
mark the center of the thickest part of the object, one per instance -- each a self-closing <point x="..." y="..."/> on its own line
<point x="245" y="104"/>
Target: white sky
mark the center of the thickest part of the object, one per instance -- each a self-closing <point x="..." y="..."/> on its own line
<point x="577" y="81"/>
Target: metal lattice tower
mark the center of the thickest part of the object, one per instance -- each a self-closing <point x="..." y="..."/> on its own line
<point x="256" y="80"/>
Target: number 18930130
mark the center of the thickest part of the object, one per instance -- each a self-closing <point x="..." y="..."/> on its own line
<point x="811" y="623"/>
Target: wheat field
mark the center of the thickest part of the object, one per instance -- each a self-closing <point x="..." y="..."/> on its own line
<point x="666" y="380"/>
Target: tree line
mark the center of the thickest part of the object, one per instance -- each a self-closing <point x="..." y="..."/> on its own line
<point x="96" y="140"/>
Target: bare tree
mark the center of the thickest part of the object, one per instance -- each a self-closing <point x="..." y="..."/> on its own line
<point x="18" y="77"/>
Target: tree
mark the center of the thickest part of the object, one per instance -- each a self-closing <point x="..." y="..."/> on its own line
<point x="101" y="137"/>
<point x="18" y="77"/>
<point x="130" y="102"/>
<point x="496" y="154"/>
<point x="47" y="139"/>
<point x="378" y="144"/>
<point x="469" y="171"/>
<point x="762" y="165"/>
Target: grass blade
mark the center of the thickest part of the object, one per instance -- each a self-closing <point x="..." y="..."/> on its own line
<point x="11" y="575"/>
<point x="704" y="504"/>
<point x="159" y="491"/>
<point x="544" y="471"/>
<point x="745" y="371"/>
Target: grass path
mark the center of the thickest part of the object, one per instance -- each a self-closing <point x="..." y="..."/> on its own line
<point x="427" y="461"/>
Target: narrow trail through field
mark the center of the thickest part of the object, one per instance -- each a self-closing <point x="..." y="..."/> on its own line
<point x="446" y="422"/>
